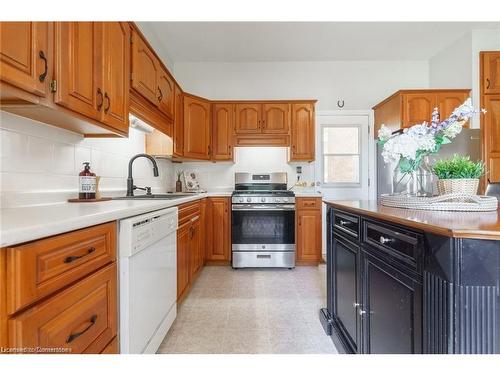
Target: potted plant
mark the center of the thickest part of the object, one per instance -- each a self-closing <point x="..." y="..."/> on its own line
<point x="458" y="175"/>
<point x="409" y="148"/>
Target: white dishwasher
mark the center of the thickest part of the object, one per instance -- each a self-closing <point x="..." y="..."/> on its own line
<point x="148" y="279"/>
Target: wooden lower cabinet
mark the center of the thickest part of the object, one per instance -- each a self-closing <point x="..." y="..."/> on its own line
<point x="308" y="226"/>
<point x="218" y="221"/>
<point x="76" y="273"/>
<point x="190" y="245"/>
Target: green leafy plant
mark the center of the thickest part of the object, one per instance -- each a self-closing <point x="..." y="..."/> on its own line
<point x="458" y="167"/>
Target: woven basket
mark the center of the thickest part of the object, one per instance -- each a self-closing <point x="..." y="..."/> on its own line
<point x="458" y="185"/>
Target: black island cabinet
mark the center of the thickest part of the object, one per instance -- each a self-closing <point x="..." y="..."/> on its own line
<point x="395" y="289"/>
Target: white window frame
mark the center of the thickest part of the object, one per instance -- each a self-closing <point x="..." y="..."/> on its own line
<point x="340" y="184"/>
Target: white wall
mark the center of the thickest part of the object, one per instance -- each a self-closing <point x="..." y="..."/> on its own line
<point x="40" y="163"/>
<point x="452" y="67"/>
<point x="220" y="176"/>
<point x="361" y="84"/>
<point x="457" y="66"/>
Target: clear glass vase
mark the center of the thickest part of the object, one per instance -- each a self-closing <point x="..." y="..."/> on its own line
<point x="416" y="183"/>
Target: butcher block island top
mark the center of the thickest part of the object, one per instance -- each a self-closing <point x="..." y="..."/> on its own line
<point x="481" y="225"/>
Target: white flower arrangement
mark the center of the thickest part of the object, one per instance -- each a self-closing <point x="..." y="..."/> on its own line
<point x="408" y="147"/>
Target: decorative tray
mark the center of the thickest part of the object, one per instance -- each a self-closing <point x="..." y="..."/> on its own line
<point x="447" y="202"/>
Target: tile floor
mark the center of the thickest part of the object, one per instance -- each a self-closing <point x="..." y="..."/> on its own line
<point x="252" y="311"/>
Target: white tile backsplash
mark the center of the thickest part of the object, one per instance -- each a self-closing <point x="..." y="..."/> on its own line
<point x="40" y="163"/>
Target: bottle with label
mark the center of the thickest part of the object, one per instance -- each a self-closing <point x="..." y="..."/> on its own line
<point x="87" y="188"/>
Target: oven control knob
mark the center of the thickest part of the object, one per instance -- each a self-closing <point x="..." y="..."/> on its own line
<point x="278" y="200"/>
<point x="285" y="199"/>
<point x="249" y="199"/>
<point x="240" y="200"/>
<point x="263" y="200"/>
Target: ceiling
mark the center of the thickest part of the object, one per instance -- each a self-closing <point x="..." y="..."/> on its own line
<point x="304" y="41"/>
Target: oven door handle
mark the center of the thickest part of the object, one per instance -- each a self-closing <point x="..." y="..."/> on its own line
<point x="263" y="207"/>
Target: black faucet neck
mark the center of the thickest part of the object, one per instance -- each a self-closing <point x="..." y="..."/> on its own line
<point x="130" y="179"/>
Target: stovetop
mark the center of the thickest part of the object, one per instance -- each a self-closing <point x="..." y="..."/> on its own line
<point x="267" y="193"/>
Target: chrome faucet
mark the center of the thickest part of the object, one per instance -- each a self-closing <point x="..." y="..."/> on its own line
<point x="130" y="181"/>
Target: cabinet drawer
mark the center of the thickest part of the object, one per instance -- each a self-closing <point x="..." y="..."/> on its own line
<point x="346" y="223"/>
<point x="80" y="319"/>
<point x="189" y="211"/>
<point x="401" y="244"/>
<point x="36" y="269"/>
<point x="309" y="203"/>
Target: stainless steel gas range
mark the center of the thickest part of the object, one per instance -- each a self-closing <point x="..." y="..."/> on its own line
<point x="263" y="221"/>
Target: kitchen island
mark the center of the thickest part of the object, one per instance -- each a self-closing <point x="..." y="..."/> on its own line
<point x="412" y="281"/>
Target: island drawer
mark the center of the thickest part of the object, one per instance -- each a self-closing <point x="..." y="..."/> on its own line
<point x="401" y="244"/>
<point x="39" y="268"/>
<point x="80" y="319"/>
<point x="346" y="223"/>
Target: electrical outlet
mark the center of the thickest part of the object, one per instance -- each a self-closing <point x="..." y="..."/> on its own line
<point x="298" y="169"/>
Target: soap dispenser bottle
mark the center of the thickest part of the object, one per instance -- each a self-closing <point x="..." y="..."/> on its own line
<point x="87" y="188"/>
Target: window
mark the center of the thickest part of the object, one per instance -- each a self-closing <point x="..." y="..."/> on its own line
<point x="341" y="155"/>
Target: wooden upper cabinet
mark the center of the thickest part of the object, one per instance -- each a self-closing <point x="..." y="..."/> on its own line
<point x="25" y="59"/>
<point x="406" y="108"/>
<point x="116" y="49"/>
<point x="302" y="143"/>
<point x="490" y="62"/>
<point x="78" y="67"/>
<point x="196" y="128"/>
<point x="491" y="136"/>
<point x="448" y="101"/>
<point x="276" y="118"/>
<point x="166" y="93"/>
<point x="223" y="124"/>
<point x="178" y="122"/>
<point x="145" y="69"/>
<point x="418" y="107"/>
<point x="248" y="118"/>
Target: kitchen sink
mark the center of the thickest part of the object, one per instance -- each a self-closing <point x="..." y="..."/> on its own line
<point x="158" y="196"/>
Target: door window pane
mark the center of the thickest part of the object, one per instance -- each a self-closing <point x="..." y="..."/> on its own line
<point x="341" y="154"/>
<point x="341" y="140"/>
<point x="341" y="169"/>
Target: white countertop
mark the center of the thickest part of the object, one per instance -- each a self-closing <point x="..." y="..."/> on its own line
<point x="23" y="224"/>
<point x="307" y="193"/>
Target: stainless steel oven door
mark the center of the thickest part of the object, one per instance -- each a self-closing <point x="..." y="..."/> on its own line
<point x="263" y="227"/>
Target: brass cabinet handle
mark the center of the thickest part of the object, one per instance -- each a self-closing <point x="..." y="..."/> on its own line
<point x="109" y="102"/>
<point x="73" y="336"/>
<point x="44" y="74"/>
<point x="75" y="257"/>
<point x="487" y="83"/>
<point x="99" y="94"/>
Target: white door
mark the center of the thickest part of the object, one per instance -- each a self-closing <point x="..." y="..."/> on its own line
<point x="343" y="157"/>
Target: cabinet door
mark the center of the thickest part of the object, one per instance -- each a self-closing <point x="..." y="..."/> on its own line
<point x="303" y="132"/>
<point x="491" y="136"/>
<point x="116" y="49"/>
<point x="223" y="124"/>
<point x="194" y="249"/>
<point x="196" y="128"/>
<point x="24" y="56"/>
<point x="448" y="101"/>
<point x="418" y="107"/>
<point x="309" y="238"/>
<point x="178" y="123"/>
<point x="248" y="118"/>
<point x="391" y="309"/>
<point x="491" y="72"/>
<point x="346" y="290"/>
<point x="78" y="67"/>
<point x="166" y="93"/>
<point x="220" y="227"/>
<point x="145" y="69"/>
<point x="275" y="118"/>
<point x="183" y="240"/>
